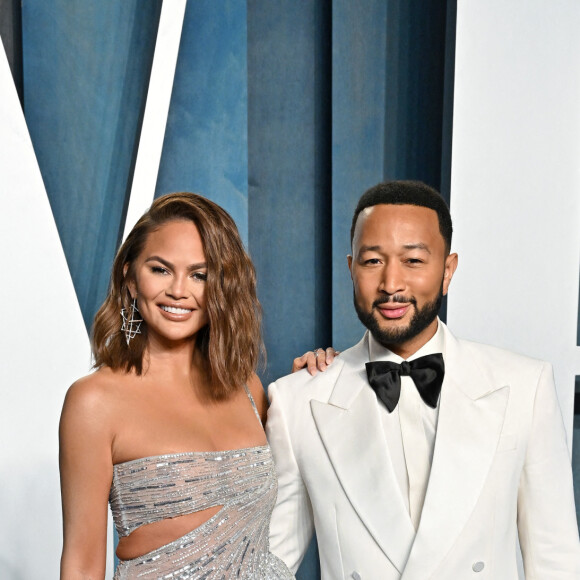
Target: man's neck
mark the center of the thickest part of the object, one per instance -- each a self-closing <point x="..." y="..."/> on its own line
<point x="410" y="347"/>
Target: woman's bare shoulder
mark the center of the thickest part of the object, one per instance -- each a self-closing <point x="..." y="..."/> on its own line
<point x="95" y="393"/>
<point x="90" y="417"/>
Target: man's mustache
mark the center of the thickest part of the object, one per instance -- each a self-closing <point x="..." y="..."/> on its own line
<point x="397" y="298"/>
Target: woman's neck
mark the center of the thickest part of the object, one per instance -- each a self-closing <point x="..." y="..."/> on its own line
<point x="172" y="359"/>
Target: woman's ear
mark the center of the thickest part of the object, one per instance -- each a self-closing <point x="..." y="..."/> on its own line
<point x="129" y="282"/>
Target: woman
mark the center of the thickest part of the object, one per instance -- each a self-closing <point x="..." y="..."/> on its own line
<point x="170" y="426"/>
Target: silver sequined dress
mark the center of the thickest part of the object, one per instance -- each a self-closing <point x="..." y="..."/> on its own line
<point x="231" y="544"/>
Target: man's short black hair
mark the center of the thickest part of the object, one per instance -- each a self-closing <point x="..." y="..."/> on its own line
<point x="407" y="193"/>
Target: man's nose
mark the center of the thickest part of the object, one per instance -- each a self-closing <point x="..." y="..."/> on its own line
<point x="392" y="280"/>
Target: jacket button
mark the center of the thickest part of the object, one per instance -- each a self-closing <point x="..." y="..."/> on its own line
<point x="356" y="576"/>
<point x="478" y="566"/>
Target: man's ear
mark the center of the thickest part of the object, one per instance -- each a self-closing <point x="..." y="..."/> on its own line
<point x="349" y="261"/>
<point x="129" y="282"/>
<point x="450" y="267"/>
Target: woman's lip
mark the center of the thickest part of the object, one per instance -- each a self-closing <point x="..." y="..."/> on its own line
<point x="175" y="307"/>
<point x="392" y="311"/>
<point x="176" y="316"/>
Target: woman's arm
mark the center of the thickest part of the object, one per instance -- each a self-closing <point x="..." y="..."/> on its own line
<point x="86" y="470"/>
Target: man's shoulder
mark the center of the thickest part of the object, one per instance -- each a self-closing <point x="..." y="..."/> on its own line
<point x="303" y="385"/>
<point x="501" y="359"/>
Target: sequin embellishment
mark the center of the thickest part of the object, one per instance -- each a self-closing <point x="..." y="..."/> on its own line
<point x="231" y="544"/>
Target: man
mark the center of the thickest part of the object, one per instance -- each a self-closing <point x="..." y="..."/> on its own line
<point x="429" y="461"/>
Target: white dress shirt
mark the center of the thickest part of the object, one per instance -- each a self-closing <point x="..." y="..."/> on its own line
<point x="414" y="427"/>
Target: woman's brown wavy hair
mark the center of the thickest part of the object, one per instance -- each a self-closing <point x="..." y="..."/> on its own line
<point x="231" y="344"/>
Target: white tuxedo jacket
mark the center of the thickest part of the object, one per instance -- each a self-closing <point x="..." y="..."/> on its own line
<point x="500" y="467"/>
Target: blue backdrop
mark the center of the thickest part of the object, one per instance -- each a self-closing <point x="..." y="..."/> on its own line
<point x="282" y="112"/>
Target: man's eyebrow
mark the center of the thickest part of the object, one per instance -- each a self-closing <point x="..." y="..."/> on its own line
<point x="417" y="246"/>
<point x="369" y="249"/>
<point x="169" y="265"/>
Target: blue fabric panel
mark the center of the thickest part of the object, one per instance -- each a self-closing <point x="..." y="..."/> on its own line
<point x="415" y="86"/>
<point x="389" y="72"/>
<point x="86" y="70"/>
<point x="205" y="148"/>
<point x="11" y="34"/>
<point x="448" y="87"/>
<point x="289" y="181"/>
<point x="359" y="36"/>
<point x="289" y="177"/>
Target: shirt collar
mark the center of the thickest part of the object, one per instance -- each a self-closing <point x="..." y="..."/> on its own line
<point x="434" y="345"/>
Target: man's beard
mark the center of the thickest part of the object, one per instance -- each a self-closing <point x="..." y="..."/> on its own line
<point x="421" y="319"/>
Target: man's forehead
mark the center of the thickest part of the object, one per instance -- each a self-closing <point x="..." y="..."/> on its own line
<point x="410" y="224"/>
<point x="406" y="213"/>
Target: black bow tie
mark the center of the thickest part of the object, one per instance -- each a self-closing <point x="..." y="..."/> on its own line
<point x="426" y="371"/>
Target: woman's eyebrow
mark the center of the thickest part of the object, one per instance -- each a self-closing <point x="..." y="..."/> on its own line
<point x="197" y="266"/>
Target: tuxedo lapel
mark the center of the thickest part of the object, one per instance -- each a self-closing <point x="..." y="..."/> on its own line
<point x="470" y="421"/>
<point x="350" y="428"/>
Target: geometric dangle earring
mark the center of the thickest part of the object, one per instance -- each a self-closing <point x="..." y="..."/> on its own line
<point x="131" y="321"/>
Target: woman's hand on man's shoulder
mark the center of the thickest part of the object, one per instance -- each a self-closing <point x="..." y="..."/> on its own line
<point x="315" y="360"/>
